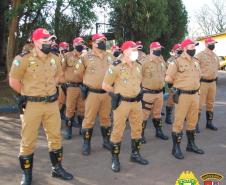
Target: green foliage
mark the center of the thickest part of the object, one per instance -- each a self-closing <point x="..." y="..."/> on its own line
<point x="149" y="20"/>
<point x="64" y="18"/>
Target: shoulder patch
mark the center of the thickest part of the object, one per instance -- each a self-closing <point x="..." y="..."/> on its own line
<point x="115" y="63"/>
<point x="24" y="53"/>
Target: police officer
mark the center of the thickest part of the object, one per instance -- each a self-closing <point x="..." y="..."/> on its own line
<point x="62" y="49"/>
<point x="34" y="76"/>
<point x="123" y="80"/>
<point x="175" y="52"/>
<point x="209" y="64"/>
<point x="153" y="81"/>
<point x="116" y="52"/>
<point x="92" y="67"/>
<point x="184" y="75"/>
<point x="141" y="54"/>
<point x="74" y="102"/>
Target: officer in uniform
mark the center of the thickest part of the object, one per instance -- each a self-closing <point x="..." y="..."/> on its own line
<point x="63" y="49"/>
<point x="92" y="67"/>
<point x="34" y="75"/>
<point x="74" y="101"/>
<point x="209" y="64"/>
<point x="141" y="54"/>
<point x="122" y="81"/>
<point x="184" y="75"/>
<point x="154" y="70"/>
<point x="116" y="52"/>
<point x="175" y="52"/>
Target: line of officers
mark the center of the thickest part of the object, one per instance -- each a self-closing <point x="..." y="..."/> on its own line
<point x="126" y="85"/>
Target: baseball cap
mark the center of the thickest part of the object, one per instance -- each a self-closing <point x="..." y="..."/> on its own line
<point x="78" y="40"/>
<point x="128" y="44"/>
<point x="42" y="33"/>
<point x="98" y="36"/>
<point x="176" y="46"/>
<point x="155" y="45"/>
<point x="210" y="40"/>
<point x="63" y="44"/>
<point x="188" y="41"/>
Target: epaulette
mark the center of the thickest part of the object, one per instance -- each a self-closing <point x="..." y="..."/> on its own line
<point x="138" y="62"/>
<point x="115" y="63"/>
<point x="24" y="53"/>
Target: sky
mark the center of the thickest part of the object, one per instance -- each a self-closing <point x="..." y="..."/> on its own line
<point x="193" y="6"/>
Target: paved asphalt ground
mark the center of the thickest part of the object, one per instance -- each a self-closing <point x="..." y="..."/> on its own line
<point x="95" y="169"/>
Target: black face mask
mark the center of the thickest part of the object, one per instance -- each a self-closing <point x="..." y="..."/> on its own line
<point x="46" y="48"/>
<point x="179" y="52"/>
<point x="79" y="48"/>
<point x="211" y="46"/>
<point x="116" y="53"/>
<point x="101" y="46"/>
<point x="191" y="52"/>
<point x="157" y="52"/>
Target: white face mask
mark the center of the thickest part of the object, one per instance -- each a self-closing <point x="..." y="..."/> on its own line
<point x="133" y="56"/>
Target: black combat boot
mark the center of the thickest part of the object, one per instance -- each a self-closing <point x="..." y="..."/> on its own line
<point x="68" y="128"/>
<point x="169" y="117"/>
<point x="26" y="163"/>
<point x="80" y="120"/>
<point x="57" y="169"/>
<point x="197" y="129"/>
<point x="209" y="119"/>
<point x="143" y="139"/>
<point x="106" y="132"/>
<point x="115" y="151"/>
<point x="135" y="155"/>
<point x="176" y="151"/>
<point x="87" y="134"/>
<point x="158" y="128"/>
<point x="191" y="146"/>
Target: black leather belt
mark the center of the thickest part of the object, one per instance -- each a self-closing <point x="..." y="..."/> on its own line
<point x="151" y="91"/>
<point x="134" y="99"/>
<point x="51" y="98"/>
<point x="73" y="84"/>
<point x="99" y="91"/>
<point x="187" y="91"/>
<point x="208" y="81"/>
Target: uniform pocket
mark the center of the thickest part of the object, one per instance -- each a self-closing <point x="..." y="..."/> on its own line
<point x="183" y="68"/>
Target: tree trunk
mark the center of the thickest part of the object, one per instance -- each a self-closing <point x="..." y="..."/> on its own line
<point x="4" y="6"/>
<point x="13" y="26"/>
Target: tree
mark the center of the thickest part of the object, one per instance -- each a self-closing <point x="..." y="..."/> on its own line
<point x="4" y="6"/>
<point x="138" y="20"/>
<point x="212" y="20"/>
<point x="13" y="26"/>
<point x="65" y="18"/>
<point x="176" y="26"/>
<point x="149" y="20"/>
